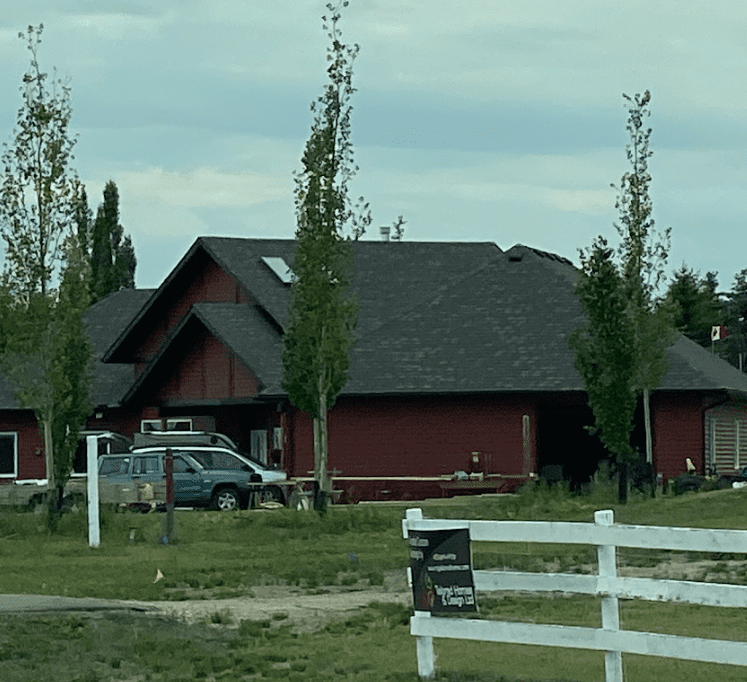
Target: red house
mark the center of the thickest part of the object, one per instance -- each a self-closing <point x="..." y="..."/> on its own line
<point x="461" y="364"/>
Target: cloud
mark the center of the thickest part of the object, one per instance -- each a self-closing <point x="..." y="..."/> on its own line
<point x="202" y="187"/>
<point x="592" y="201"/>
<point x="118" y="26"/>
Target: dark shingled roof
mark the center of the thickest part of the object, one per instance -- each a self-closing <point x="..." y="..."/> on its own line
<point x="105" y="321"/>
<point x="435" y="317"/>
<point x="242" y="328"/>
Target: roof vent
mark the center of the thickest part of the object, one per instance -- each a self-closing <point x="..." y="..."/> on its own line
<point x="280" y="268"/>
<point x="515" y="257"/>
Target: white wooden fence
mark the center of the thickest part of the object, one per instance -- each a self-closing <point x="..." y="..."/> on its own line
<point x="610" y="638"/>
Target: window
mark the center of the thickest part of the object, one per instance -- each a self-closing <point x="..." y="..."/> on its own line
<point x="259" y="446"/>
<point x="181" y="424"/>
<point x="181" y="465"/>
<point x="8" y="454"/>
<point x="146" y="465"/>
<point x="114" y="466"/>
<point x="217" y="459"/>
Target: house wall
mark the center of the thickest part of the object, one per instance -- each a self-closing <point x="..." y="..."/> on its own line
<point x="678" y="432"/>
<point x="418" y="438"/>
<point x="29" y="445"/>
<point x="207" y="371"/>
<point x="210" y="284"/>
<point x="124" y="420"/>
<point x="726" y="438"/>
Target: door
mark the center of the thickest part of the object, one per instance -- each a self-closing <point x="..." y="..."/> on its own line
<point x="189" y="483"/>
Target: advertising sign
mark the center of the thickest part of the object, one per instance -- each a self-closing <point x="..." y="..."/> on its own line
<point x="441" y="567"/>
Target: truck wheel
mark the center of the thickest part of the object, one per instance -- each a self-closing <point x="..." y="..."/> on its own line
<point x="226" y="499"/>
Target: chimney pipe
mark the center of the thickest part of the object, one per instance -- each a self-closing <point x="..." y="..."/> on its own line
<point x="385" y="229"/>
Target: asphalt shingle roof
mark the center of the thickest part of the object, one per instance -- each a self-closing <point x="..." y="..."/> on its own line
<point x="105" y="321"/>
<point x="434" y="317"/>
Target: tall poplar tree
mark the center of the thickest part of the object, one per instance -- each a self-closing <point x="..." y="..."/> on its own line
<point x="112" y="254"/>
<point x="643" y="254"/>
<point x="46" y="352"/>
<point x="621" y="353"/>
<point x="38" y="185"/>
<point x="323" y="312"/>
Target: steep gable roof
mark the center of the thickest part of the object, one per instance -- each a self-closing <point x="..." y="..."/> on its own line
<point x="434" y="317"/>
<point x="242" y="329"/>
<point x="105" y="321"/>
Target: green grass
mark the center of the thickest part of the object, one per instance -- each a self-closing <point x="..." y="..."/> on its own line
<point x="221" y="555"/>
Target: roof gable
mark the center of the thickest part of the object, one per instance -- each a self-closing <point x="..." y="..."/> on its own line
<point x="434" y="317"/>
<point x="199" y="276"/>
<point x="199" y="358"/>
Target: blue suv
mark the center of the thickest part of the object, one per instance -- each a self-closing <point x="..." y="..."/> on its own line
<point x="203" y="478"/>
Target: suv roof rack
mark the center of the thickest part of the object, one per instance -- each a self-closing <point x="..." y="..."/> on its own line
<point x="152" y="438"/>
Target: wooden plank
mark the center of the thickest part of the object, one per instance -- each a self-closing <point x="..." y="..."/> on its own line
<point x="571" y="637"/>
<point x="708" y="594"/>
<point x="555" y="532"/>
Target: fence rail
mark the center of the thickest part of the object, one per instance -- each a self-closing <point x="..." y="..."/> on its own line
<point x="609" y="638"/>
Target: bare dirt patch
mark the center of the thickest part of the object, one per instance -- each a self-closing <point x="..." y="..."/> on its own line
<point x="305" y="610"/>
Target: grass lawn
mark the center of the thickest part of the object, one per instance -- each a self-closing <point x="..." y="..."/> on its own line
<point x="225" y="555"/>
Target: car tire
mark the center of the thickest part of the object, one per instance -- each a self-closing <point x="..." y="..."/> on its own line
<point x="273" y="493"/>
<point x="226" y="499"/>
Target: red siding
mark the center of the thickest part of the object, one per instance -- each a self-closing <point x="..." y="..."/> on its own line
<point x="418" y="436"/>
<point x="30" y="444"/>
<point x="678" y="433"/>
<point x="207" y="371"/>
<point x="210" y="284"/>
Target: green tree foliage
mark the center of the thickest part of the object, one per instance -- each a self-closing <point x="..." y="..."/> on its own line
<point x="643" y="321"/>
<point x="83" y="220"/>
<point x="112" y="254"/>
<point x="605" y="349"/>
<point x="323" y="312"/>
<point x="46" y="352"/>
<point x="38" y="186"/>
<point x="734" y="347"/>
<point x="71" y="365"/>
<point x="694" y="304"/>
<point x="643" y="252"/>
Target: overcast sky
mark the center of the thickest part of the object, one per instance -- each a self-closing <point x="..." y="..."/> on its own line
<point x="477" y="121"/>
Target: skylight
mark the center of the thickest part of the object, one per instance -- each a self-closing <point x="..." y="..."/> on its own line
<point x="280" y="268"/>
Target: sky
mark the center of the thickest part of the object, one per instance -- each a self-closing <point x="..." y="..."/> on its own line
<point x="476" y="121"/>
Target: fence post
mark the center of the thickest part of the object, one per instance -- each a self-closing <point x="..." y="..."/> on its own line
<point x="424" y="645"/>
<point x="92" y="485"/>
<point x="606" y="555"/>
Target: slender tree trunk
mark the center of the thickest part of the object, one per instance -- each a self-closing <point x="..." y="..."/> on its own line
<point x="649" y="442"/>
<point x="321" y="477"/>
<point x="647" y="422"/>
<point x="49" y="453"/>
<point x="622" y="480"/>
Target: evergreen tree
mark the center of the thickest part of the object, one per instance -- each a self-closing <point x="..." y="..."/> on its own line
<point x="695" y="304"/>
<point x="323" y="312"/>
<point x="113" y="259"/>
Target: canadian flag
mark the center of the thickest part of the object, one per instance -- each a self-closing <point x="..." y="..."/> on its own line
<point x="718" y="333"/>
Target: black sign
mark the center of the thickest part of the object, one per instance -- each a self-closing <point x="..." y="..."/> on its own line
<point x="441" y="566"/>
